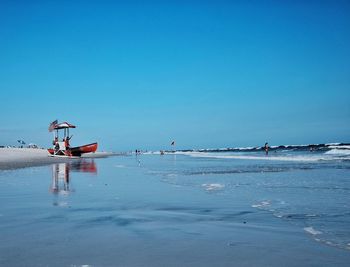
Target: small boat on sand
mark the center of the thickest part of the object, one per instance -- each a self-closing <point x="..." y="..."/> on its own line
<point x="63" y="148"/>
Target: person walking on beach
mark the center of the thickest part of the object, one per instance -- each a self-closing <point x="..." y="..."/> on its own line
<point x="266" y="147"/>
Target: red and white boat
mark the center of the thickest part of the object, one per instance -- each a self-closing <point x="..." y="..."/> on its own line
<point x="63" y="148"/>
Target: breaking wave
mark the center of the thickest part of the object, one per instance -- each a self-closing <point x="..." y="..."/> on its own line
<point x="297" y="153"/>
<point x="328" y="156"/>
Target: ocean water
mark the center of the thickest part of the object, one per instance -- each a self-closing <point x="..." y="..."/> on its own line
<point x="290" y="208"/>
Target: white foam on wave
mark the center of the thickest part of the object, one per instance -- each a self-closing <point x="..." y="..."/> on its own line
<point x="333" y="144"/>
<point x="337" y="151"/>
<point x="312" y="231"/>
<point x="230" y="148"/>
<point x="247" y="148"/>
<point x="211" y="187"/>
<point x="290" y="146"/>
<point x="299" y="158"/>
<point x="262" y="204"/>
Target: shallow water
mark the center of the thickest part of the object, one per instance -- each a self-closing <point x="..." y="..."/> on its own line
<point x="176" y="210"/>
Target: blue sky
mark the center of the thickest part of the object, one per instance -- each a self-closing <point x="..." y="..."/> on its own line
<point x="138" y="74"/>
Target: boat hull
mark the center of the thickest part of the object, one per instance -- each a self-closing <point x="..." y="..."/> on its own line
<point x="77" y="151"/>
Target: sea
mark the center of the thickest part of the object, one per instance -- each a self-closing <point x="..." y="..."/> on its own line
<point x="211" y="207"/>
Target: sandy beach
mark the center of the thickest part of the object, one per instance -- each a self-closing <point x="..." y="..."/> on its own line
<point x="12" y="158"/>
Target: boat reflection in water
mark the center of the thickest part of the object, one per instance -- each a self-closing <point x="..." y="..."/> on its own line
<point x="61" y="174"/>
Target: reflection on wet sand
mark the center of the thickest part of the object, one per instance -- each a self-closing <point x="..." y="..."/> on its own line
<point x="61" y="174"/>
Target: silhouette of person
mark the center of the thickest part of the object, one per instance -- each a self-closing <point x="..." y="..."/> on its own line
<point x="266" y="147"/>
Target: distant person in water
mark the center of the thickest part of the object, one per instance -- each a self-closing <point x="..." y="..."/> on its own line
<point x="266" y="147"/>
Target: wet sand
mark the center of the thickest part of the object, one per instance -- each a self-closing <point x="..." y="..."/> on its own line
<point x="174" y="210"/>
<point x="152" y="210"/>
<point x="13" y="158"/>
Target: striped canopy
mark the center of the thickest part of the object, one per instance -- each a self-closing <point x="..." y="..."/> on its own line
<point x="63" y="125"/>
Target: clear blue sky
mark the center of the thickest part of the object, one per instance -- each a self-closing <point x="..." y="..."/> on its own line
<point x="138" y="74"/>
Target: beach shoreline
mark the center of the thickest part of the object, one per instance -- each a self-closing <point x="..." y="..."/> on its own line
<point x="15" y="158"/>
<point x="188" y="211"/>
